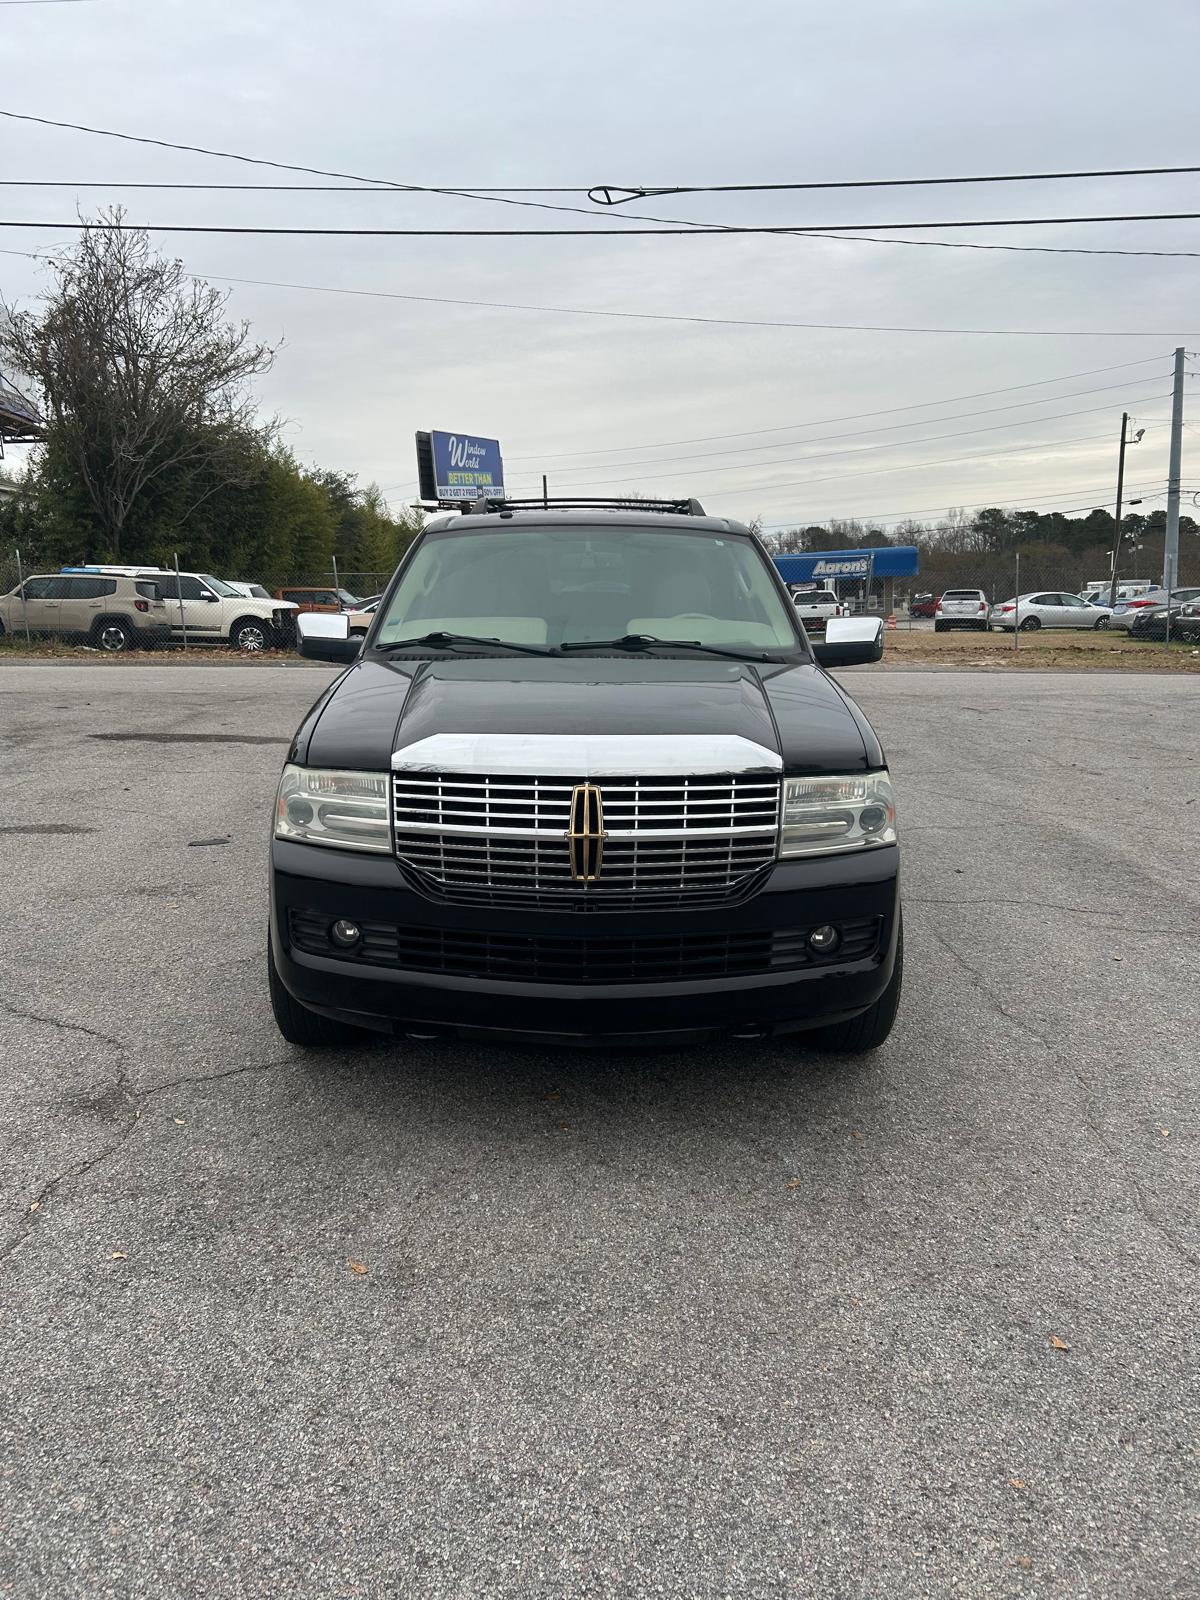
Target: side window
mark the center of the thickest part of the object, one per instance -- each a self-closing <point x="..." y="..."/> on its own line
<point x="37" y="588"/>
<point x="182" y="588"/>
<point x="58" y="588"/>
<point x="89" y="588"/>
<point x="325" y="597"/>
<point x="1043" y="600"/>
<point x="148" y="590"/>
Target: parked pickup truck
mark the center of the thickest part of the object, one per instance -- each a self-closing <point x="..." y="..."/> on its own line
<point x="815" y="607"/>
<point x="586" y="779"/>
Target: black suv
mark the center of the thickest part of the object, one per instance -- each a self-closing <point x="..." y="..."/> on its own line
<point x="585" y="779"/>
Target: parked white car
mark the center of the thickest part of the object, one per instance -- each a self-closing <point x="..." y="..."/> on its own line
<point x="962" y="608"/>
<point x="1048" y="609"/>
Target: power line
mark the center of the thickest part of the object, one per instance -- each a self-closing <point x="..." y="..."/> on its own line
<point x="893" y="444"/>
<point x="857" y="416"/>
<point x="1017" y="249"/>
<point x="290" y="166"/>
<point x="979" y="505"/>
<point x="507" y="197"/>
<point x="367" y="186"/>
<point x="690" y="231"/>
<point x="375" y="187"/>
<point x="912" y="466"/>
<point x="620" y="194"/>
<point x="666" y="316"/>
<point x="651" y="316"/>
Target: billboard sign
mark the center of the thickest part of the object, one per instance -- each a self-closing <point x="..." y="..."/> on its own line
<point x="460" y="466"/>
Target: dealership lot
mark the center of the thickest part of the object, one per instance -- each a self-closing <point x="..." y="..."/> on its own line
<point x="744" y="1320"/>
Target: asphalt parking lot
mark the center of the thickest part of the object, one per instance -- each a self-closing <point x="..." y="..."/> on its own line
<point x="740" y="1322"/>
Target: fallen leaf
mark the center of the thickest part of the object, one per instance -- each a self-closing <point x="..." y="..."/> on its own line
<point x="565" y="1126"/>
<point x="36" y="1206"/>
<point x="117" y="1255"/>
<point x="357" y="1266"/>
<point x="1166" y="1132"/>
<point x="1017" y="1483"/>
<point x="1118" y="958"/>
<point x="855" y="1134"/>
<point x="1024" y="1561"/>
<point x="794" y="1183"/>
<point x="553" y="1095"/>
<point x="179" y="1122"/>
<point x="1058" y="1344"/>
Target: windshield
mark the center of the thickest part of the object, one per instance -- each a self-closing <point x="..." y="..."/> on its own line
<point x="553" y="585"/>
<point x="218" y="586"/>
<point x="347" y="598"/>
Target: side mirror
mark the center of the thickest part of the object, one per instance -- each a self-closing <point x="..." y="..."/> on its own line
<point x="850" y="642"/>
<point x="322" y="637"/>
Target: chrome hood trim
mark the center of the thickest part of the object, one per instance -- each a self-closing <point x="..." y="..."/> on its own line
<point x="587" y="755"/>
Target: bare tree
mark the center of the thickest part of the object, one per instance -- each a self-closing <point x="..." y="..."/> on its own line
<point x="143" y="378"/>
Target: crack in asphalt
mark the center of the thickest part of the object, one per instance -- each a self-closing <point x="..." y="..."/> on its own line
<point x="136" y="1100"/>
<point x="57" y="1022"/>
<point x="1090" y="1122"/>
<point x="1049" y="905"/>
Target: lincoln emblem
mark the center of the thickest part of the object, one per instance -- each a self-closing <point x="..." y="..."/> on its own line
<point x="586" y="833"/>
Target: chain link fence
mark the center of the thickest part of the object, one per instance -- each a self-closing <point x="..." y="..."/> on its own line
<point x="44" y="608"/>
<point x="51" y="610"/>
<point x="912" y="603"/>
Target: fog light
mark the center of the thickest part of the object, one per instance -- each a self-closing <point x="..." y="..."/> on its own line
<point x="345" y="933"/>
<point x="823" y="941"/>
<point x="872" y="818"/>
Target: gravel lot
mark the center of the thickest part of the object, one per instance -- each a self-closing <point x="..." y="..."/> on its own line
<point x="744" y="1322"/>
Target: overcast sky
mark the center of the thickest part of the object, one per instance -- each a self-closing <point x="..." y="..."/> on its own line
<point x="494" y="92"/>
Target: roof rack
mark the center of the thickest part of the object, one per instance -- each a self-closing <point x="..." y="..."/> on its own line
<point x="680" y="508"/>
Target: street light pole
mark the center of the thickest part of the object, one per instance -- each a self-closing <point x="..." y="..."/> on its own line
<point x="1112" y="587"/>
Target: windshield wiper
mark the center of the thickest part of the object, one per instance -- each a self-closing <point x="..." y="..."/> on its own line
<point x="647" y="641"/>
<point x="452" y="641"/>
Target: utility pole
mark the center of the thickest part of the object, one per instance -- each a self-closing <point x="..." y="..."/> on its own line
<point x="1112" y="587"/>
<point x="1171" y="546"/>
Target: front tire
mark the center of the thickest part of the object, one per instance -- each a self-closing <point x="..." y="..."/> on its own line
<point x="251" y="635"/>
<point x="297" y="1023"/>
<point x="871" y="1027"/>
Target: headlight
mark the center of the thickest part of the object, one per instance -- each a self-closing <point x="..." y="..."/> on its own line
<point x="320" y="805"/>
<point x="821" y="815"/>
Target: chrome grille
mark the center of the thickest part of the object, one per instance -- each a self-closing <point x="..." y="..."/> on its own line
<point x="667" y="840"/>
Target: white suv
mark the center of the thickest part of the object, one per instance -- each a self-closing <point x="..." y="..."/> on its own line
<point x="208" y="609"/>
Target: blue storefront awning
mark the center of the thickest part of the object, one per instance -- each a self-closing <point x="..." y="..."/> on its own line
<point x="888" y="561"/>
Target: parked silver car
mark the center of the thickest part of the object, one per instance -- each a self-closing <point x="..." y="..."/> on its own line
<point x="1131" y="607"/>
<point x="1049" y="609"/>
<point x="962" y="608"/>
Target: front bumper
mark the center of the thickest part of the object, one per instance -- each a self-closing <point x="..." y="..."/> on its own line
<point x="373" y="889"/>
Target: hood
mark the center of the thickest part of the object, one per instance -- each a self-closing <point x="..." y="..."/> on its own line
<point x="635" y="709"/>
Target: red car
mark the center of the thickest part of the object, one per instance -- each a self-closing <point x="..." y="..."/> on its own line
<point x="923" y="605"/>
